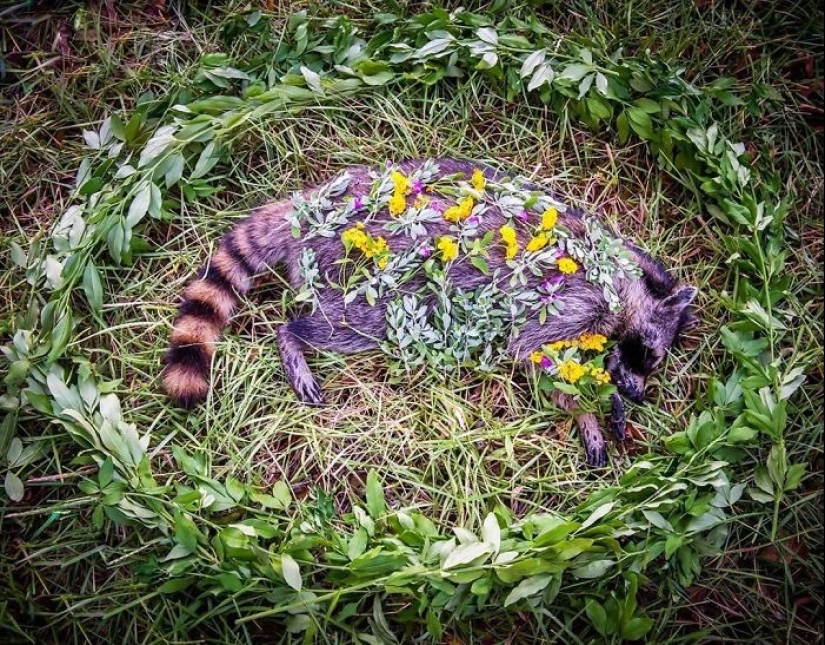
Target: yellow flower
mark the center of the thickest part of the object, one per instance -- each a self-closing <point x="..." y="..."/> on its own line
<point x="377" y="246"/>
<point x="420" y="202"/>
<point x="355" y="237"/>
<point x="549" y="218"/>
<point x="465" y="207"/>
<point x="448" y="248"/>
<point x="398" y="204"/>
<point x="460" y="211"/>
<point x="478" y="181"/>
<point x="537" y="357"/>
<point x="600" y="375"/>
<point x="555" y="347"/>
<point x="567" y="265"/>
<point x="593" y="342"/>
<point x="382" y="262"/>
<point x="400" y="183"/>
<point x="571" y="371"/>
<point x="537" y="243"/>
<point x="508" y="234"/>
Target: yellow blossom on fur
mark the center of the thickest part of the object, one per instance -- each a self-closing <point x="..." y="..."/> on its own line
<point x="478" y="181"/>
<point x="549" y="218"/>
<point x="593" y="342"/>
<point x="460" y="211"/>
<point x="537" y="357"/>
<point x="600" y="375"/>
<point x="537" y="243"/>
<point x="571" y="371"/>
<point x="397" y="204"/>
<point x="355" y="237"/>
<point x="401" y="184"/>
<point x="567" y="265"/>
<point x="561" y="344"/>
<point x="448" y="248"/>
<point x="508" y="235"/>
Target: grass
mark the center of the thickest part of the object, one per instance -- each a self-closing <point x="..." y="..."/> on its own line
<point x="448" y="446"/>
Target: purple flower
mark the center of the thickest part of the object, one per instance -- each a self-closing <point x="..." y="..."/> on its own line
<point x="425" y="251"/>
<point x="546" y="363"/>
<point x="358" y="204"/>
<point x="473" y="220"/>
<point x="417" y="187"/>
<point x="556" y="278"/>
<point x="523" y="215"/>
<point x="388" y="163"/>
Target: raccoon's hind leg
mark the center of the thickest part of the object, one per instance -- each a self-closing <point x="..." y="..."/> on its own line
<point x="295" y="366"/>
<point x="316" y="332"/>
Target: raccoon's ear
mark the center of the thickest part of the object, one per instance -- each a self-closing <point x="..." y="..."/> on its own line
<point x="679" y="300"/>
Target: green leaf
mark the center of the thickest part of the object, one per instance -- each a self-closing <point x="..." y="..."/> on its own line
<point x="528" y="587"/>
<point x="532" y="62"/>
<point x="357" y="544"/>
<point x="376" y="504"/>
<point x="597" y="615"/>
<point x="480" y="264"/>
<point x="636" y="627"/>
<point x="595" y="569"/>
<point x="434" y="625"/>
<point x="207" y="160"/>
<point x="313" y="79"/>
<point x="794" y="477"/>
<point x="291" y="572"/>
<point x="282" y="494"/>
<point x="491" y="533"/>
<point x="140" y="204"/>
<point x="14" y="487"/>
<point x="467" y="553"/>
<point x="93" y="287"/>
<point x="575" y="72"/>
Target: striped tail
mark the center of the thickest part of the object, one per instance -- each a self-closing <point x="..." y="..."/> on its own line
<point x="210" y="300"/>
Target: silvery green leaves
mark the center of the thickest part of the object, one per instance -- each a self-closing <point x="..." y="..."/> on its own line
<point x="308" y="268"/>
<point x="538" y="69"/>
<point x="319" y="212"/>
<point x="485" y="48"/>
<point x="465" y="328"/>
<point x="604" y="258"/>
<point x="371" y="286"/>
<point x="413" y="222"/>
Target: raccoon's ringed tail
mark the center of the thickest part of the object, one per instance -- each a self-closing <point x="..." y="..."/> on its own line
<point x="209" y="301"/>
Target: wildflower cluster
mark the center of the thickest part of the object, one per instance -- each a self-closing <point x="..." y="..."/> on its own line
<point x="576" y="366"/>
<point x="401" y="187"/>
<point x="372" y="247"/>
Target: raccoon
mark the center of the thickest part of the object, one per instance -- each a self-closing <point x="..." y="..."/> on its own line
<point x="654" y="309"/>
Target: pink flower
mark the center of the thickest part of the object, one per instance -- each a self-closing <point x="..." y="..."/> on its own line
<point x="358" y="204"/>
<point x="417" y="187"/>
<point x="546" y="363"/>
<point x="523" y="215"/>
<point x="473" y="220"/>
<point x="425" y="251"/>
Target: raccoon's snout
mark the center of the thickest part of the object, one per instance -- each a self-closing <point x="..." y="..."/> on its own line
<point x="629" y="384"/>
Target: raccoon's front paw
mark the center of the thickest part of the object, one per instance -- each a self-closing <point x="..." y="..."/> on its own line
<point x="617" y="422"/>
<point x="310" y="393"/>
<point x="596" y="456"/>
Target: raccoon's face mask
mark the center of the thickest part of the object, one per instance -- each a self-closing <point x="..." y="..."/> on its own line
<point x="642" y="349"/>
